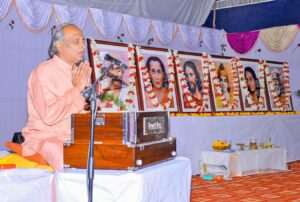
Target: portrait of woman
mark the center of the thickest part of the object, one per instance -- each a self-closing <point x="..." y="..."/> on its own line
<point x="251" y="75"/>
<point x="158" y="80"/>
<point x="159" y="96"/>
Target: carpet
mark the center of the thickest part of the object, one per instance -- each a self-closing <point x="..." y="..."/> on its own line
<point x="279" y="186"/>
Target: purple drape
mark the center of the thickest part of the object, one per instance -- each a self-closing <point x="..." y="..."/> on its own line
<point x="242" y="42"/>
<point x="299" y="25"/>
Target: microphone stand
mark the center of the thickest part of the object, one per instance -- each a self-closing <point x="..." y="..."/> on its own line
<point x="90" y="94"/>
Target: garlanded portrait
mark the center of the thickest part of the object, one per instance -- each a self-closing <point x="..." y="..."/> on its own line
<point x="279" y="87"/>
<point x="253" y="86"/>
<point x="117" y="90"/>
<point x="193" y="85"/>
<point x="224" y="79"/>
<point x="157" y="79"/>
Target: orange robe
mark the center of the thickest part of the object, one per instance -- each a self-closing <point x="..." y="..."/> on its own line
<point x="51" y="100"/>
<point x="164" y="100"/>
<point x="198" y="102"/>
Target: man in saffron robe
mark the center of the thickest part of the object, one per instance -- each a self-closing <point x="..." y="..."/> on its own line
<point x="54" y="93"/>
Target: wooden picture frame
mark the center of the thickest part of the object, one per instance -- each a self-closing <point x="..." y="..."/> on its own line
<point x="115" y="89"/>
<point x="157" y="87"/>
<point x="190" y="83"/>
<point x="279" y="85"/>
<point x="225" y="85"/>
<point x="255" y="92"/>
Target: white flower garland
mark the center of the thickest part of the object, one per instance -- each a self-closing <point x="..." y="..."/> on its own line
<point x="246" y="92"/>
<point x="104" y="85"/>
<point x="148" y="85"/>
<point x="286" y="85"/>
<point x="205" y="84"/>
<point x="132" y="76"/>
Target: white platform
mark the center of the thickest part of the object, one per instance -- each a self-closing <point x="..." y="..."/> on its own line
<point x="169" y="181"/>
<point x="34" y="185"/>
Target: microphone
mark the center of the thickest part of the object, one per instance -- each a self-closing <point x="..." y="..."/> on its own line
<point x="107" y="57"/>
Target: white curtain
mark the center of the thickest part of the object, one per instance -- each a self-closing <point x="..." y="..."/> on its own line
<point x="138" y="28"/>
<point x="4" y="6"/>
<point x="212" y="39"/>
<point x="75" y="15"/>
<point x="191" y="12"/>
<point x="107" y="23"/>
<point x="190" y="35"/>
<point x="36" y="14"/>
<point x="165" y="31"/>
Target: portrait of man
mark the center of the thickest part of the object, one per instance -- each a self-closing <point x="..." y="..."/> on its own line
<point x="277" y="80"/>
<point x="224" y="97"/>
<point x="157" y="63"/>
<point x="192" y="94"/>
<point x="113" y="89"/>
<point x="193" y="81"/>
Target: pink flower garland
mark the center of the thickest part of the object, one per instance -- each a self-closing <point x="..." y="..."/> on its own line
<point x="148" y="85"/>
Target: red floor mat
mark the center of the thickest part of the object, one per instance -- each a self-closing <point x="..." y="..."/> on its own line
<point x="281" y="186"/>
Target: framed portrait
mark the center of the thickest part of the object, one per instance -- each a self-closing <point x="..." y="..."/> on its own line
<point x="191" y="82"/>
<point x="225" y="85"/>
<point x="111" y="67"/>
<point x="277" y="87"/>
<point x="157" y="80"/>
<point x="253" y="87"/>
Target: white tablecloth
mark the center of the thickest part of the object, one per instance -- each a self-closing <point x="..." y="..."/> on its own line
<point x="260" y="161"/>
<point x="34" y="185"/>
<point x="241" y="163"/>
<point x="169" y="181"/>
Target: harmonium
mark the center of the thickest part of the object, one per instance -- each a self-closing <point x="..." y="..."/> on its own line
<point x="122" y="140"/>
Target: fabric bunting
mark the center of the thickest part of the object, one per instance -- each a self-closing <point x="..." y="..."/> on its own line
<point x="242" y="42"/>
<point x="36" y="15"/>
<point x="278" y="38"/>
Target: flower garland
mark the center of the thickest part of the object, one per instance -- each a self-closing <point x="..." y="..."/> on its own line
<point x="147" y="82"/>
<point x="132" y="76"/>
<point x="246" y="92"/>
<point x="103" y="86"/>
<point x="186" y="92"/>
<point x="219" y="93"/>
<point x="277" y="102"/>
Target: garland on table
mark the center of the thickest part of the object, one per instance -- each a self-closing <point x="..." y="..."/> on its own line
<point x="186" y="92"/>
<point x="147" y="81"/>
<point x="103" y="86"/>
<point x="287" y="96"/>
<point x="246" y="92"/>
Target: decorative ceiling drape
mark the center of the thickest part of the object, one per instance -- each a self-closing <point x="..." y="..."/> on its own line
<point x="75" y="15"/>
<point x="36" y="14"/>
<point x="242" y="42"/>
<point x="278" y="38"/>
<point x="4" y="7"/>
